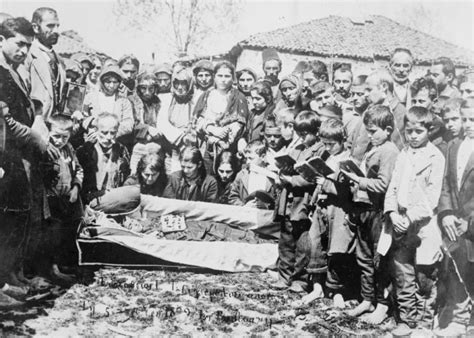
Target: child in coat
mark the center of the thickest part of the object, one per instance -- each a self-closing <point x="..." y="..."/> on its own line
<point x="292" y="207"/>
<point x="410" y="204"/>
<point x="377" y="163"/>
<point x="64" y="200"/>
<point x="332" y="239"/>
<point x="247" y="181"/>
<point x="456" y="215"/>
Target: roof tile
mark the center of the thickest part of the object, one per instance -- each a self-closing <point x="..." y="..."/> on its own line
<point x="377" y="37"/>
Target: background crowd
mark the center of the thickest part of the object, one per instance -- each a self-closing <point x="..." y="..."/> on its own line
<point x="396" y="232"/>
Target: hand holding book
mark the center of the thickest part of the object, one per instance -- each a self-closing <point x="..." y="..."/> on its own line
<point x="313" y="169"/>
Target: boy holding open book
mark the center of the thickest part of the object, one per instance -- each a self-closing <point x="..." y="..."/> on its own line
<point x="330" y="232"/>
<point x="292" y="205"/>
<point x="377" y="165"/>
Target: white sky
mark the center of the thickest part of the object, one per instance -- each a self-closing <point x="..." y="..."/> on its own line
<point x="95" y="22"/>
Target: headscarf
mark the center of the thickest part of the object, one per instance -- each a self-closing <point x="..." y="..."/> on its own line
<point x="110" y="69"/>
<point x="205" y="65"/>
<point x="73" y="66"/>
<point x="82" y="57"/>
<point x="294" y="80"/>
<point x="182" y="74"/>
<point x="163" y="68"/>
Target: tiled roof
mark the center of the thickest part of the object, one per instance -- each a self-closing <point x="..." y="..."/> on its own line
<point x="70" y="42"/>
<point x="343" y="37"/>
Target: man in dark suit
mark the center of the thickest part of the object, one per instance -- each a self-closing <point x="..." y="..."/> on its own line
<point x="21" y="196"/>
<point x="456" y="213"/>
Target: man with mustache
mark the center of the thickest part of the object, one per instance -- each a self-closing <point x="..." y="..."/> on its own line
<point x="271" y="64"/>
<point x="342" y="81"/>
<point x="443" y="73"/>
<point x="401" y="64"/>
<point x="46" y="72"/>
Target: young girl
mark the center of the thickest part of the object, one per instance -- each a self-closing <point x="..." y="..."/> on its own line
<point x="191" y="183"/>
<point x="221" y="114"/>
<point x="263" y="106"/>
<point x="227" y="166"/>
<point x="151" y="175"/>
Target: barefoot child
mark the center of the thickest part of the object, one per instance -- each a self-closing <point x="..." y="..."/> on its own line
<point x="378" y="163"/>
<point x="329" y="225"/>
<point x="292" y="207"/>
<point x="410" y="204"/>
<point x="63" y="196"/>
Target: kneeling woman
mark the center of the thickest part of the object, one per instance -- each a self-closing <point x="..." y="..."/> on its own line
<point x="191" y="183"/>
<point x="151" y="175"/>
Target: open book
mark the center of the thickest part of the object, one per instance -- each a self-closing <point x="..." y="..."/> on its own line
<point x="312" y="168"/>
<point x="352" y="167"/>
<point x="284" y="160"/>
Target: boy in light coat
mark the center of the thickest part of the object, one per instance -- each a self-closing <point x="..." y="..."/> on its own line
<point x="410" y="204"/>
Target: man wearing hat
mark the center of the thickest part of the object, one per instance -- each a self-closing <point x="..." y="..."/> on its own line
<point x="322" y="94"/>
<point x="203" y="77"/>
<point x="271" y="64"/>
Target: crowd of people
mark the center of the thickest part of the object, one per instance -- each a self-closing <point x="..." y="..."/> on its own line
<point x="395" y="232"/>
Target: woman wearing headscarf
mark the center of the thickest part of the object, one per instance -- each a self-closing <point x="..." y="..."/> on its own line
<point x="146" y="106"/>
<point x="203" y="77"/>
<point x="290" y="89"/>
<point x="220" y="114"/>
<point x="175" y="117"/>
<point x="107" y="99"/>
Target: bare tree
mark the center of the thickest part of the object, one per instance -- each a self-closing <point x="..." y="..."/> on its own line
<point x="186" y="26"/>
<point x="423" y="17"/>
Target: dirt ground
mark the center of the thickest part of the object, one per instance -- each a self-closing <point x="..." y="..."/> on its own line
<point x="144" y="302"/>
